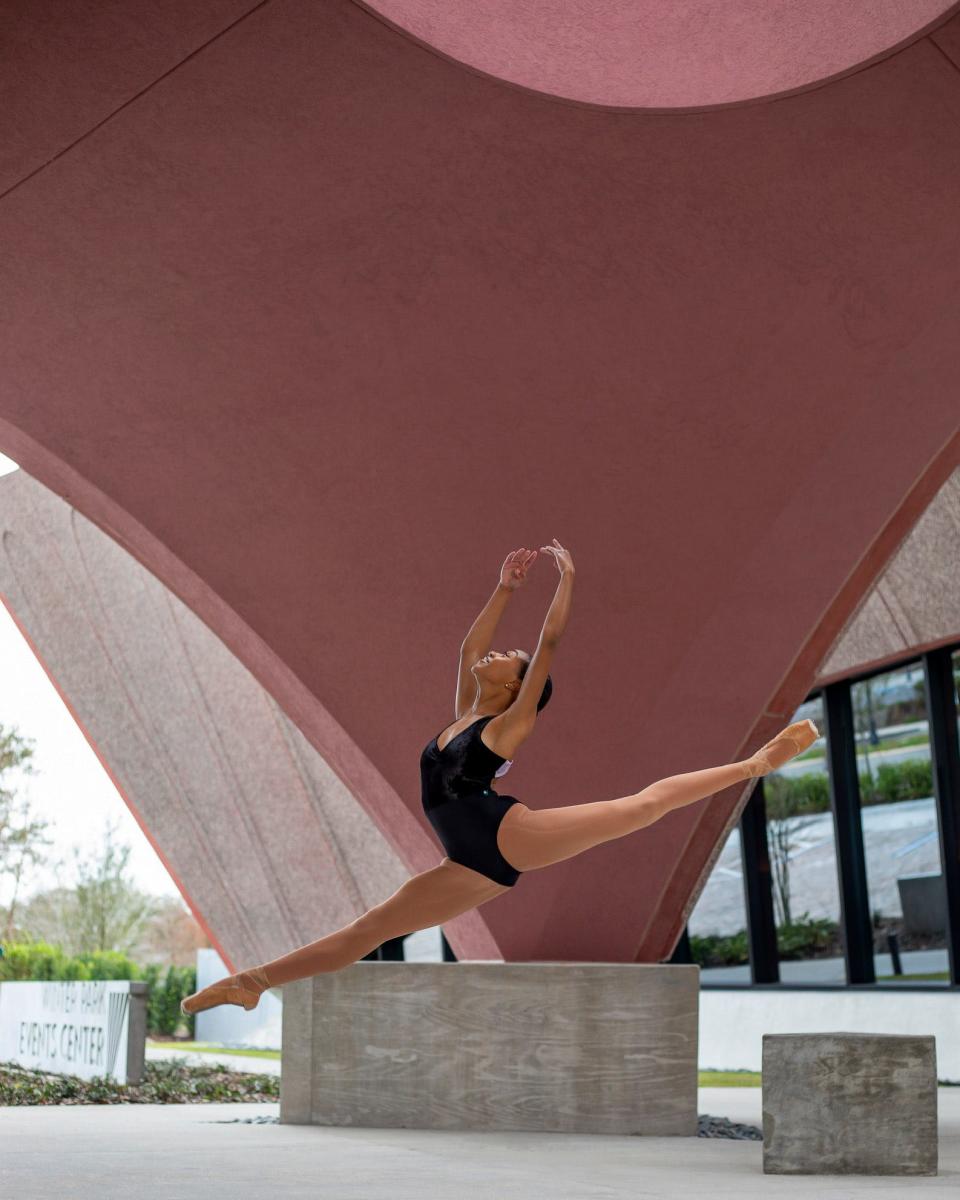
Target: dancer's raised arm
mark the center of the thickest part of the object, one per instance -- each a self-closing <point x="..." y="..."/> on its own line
<point x="559" y="610"/>
<point x="513" y="575"/>
<point x="522" y="713"/>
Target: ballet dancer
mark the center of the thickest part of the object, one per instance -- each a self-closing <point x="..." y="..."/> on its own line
<point x="489" y="838"/>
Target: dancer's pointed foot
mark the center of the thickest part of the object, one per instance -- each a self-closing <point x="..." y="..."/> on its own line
<point x="779" y="750"/>
<point x="244" y="988"/>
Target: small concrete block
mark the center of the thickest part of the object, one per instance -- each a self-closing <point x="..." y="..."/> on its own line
<point x="849" y="1104"/>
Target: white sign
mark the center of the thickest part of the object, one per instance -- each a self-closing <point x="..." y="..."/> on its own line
<point x="75" y="1027"/>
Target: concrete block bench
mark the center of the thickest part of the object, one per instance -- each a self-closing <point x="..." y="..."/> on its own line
<point x="553" y="1047"/>
<point x="849" y="1104"/>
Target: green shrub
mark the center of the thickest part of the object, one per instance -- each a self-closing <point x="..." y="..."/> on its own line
<point x="802" y="938"/>
<point x="807" y="794"/>
<point x="166" y="985"/>
<point x="109" y="964"/>
<point x="39" y="960"/>
<point x="163" y="1007"/>
<point x="910" y="780"/>
<point x="805" y="935"/>
<point x="797" y="796"/>
<point x="714" y="950"/>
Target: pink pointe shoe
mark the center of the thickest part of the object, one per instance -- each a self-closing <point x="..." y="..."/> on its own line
<point x="779" y="750"/>
<point x="244" y="988"/>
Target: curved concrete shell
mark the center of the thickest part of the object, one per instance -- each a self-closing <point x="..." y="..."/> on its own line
<point x="319" y="324"/>
<point x="262" y="839"/>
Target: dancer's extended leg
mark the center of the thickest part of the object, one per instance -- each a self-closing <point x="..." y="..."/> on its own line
<point x="530" y="838"/>
<point x="423" y="901"/>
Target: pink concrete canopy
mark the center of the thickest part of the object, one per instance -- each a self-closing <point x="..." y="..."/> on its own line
<point x="651" y="54"/>
<point x="320" y="324"/>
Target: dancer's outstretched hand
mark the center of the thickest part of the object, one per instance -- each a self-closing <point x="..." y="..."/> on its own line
<point x="513" y="573"/>
<point x="561" y="557"/>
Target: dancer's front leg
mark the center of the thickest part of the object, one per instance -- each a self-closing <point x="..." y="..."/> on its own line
<point x="530" y="838"/>
<point x="423" y="901"/>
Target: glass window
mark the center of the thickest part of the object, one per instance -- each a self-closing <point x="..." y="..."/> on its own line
<point x="717" y="926"/>
<point x="803" y="862"/>
<point x="901" y="841"/>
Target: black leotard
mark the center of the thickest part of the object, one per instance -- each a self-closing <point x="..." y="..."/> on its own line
<point x="460" y="805"/>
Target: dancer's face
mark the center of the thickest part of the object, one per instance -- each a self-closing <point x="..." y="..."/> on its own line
<point x="498" y="667"/>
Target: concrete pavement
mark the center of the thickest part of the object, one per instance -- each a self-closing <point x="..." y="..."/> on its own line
<point x="167" y="1152"/>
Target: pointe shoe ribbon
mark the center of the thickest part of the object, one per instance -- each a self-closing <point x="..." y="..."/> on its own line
<point x="244" y="988"/>
<point x="802" y="735"/>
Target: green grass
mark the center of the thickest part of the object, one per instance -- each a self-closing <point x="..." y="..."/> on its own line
<point x="740" y="1078"/>
<point x="919" y="975"/>
<point x="706" y="1078"/>
<point x="210" y="1048"/>
<point x="915" y="739"/>
<point x="864" y="748"/>
<point x="728" y="1078"/>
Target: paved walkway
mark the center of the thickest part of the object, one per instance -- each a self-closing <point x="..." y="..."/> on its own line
<point x="833" y="970"/>
<point x="169" y="1152"/>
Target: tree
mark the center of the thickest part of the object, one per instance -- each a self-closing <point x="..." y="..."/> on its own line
<point x="46" y="917"/>
<point x="783" y="804"/>
<point x="109" y="912"/>
<point x="22" y="838"/>
<point x="172" y="936"/>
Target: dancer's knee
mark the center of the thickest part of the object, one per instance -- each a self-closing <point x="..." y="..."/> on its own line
<point x="364" y="934"/>
<point x="394" y="917"/>
<point x="370" y="924"/>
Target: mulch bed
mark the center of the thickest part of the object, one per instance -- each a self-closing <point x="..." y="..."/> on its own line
<point x="175" y="1083"/>
<point x="163" y="1083"/>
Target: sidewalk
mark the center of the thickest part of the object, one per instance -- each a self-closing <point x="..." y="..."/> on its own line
<point x="165" y="1152"/>
<point x="833" y="970"/>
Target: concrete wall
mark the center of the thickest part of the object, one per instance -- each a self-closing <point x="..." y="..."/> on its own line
<point x="732" y="1023"/>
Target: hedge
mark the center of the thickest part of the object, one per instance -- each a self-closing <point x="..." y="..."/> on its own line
<point x="802" y="937"/>
<point x="167" y="986"/>
<point x="888" y="783"/>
